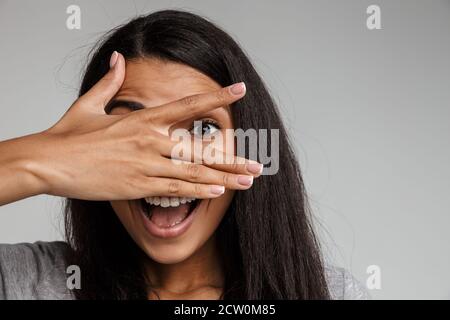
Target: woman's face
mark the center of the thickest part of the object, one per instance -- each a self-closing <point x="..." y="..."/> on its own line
<point x="153" y="82"/>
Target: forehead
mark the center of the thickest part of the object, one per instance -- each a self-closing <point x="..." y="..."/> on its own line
<point x="154" y="82"/>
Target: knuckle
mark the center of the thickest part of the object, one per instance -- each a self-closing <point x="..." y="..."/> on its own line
<point x="149" y="116"/>
<point x="225" y="179"/>
<point x="108" y="79"/>
<point x="221" y="96"/>
<point x="193" y="171"/>
<point x="190" y="101"/>
<point x="234" y="165"/>
<point x="139" y="142"/>
<point x="197" y="191"/>
<point x="154" y="115"/>
<point x="174" y="187"/>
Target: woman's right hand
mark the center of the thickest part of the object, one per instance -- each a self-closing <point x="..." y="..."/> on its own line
<point x="91" y="155"/>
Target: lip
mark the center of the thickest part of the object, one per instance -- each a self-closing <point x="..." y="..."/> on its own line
<point x="170" y="232"/>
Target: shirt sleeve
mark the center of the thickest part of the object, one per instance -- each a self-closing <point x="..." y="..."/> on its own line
<point x="33" y="271"/>
<point x="344" y="286"/>
<point x="353" y="289"/>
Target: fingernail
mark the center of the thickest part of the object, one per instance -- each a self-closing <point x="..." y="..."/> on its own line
<point x="255" y="168"/>
<point x="113" y="60"/>
<point x="238" y="88"/>
<point x="217" y="189"/>
<point x="245" y="180"/>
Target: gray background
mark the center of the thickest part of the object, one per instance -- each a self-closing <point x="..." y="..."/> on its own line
<point x="368" y="112"/>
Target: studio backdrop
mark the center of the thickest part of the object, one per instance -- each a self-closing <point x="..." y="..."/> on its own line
<point x="363" y="87"/>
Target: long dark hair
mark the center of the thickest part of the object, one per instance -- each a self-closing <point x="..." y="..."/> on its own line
<point x="266" y="240"/>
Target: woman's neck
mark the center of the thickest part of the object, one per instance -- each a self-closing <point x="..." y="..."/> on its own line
<point x="198" y="277"/>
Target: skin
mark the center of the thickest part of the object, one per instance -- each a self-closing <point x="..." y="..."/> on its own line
<point x="116" y="157"/>
<point x="185" y="267"/>
<point x="124" y="156"/>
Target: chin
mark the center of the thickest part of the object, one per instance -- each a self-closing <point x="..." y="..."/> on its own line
<point x="169" y="254"/>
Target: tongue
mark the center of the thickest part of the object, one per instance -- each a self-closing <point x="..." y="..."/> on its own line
<point x="166" y="217"/>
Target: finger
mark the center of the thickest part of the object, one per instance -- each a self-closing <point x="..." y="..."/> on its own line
<point x="178" y="188"/>
<point x="231" y="163"/>
<point x="212" y="157"/>
<point x="194" y="172"/>
<point x="195" y="105"/>
<point x="107" y="87"/>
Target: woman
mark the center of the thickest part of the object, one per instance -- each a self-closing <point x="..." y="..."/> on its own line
<point x="140" y="226"/>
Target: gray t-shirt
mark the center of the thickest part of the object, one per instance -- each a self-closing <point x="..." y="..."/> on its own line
<point x="38" y="271"/>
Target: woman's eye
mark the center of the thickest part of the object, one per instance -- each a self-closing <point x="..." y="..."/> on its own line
<point x="201" y="129"/>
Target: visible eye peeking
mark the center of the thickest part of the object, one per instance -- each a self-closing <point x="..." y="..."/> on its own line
<point x="204" y="128"/>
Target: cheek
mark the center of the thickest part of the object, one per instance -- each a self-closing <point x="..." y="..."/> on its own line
<point x="123" y="212"/>
<point x="217" y="208"/>
<point x="225" y="201"/>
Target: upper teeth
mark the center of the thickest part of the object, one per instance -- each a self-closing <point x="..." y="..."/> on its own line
<point x="168" y="201"/>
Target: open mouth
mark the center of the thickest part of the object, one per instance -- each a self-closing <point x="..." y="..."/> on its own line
<point x="168" y="212"/>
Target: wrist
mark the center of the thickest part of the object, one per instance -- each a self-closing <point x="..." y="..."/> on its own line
<point x="18" y="178"/>
<point x="29" y="164"/>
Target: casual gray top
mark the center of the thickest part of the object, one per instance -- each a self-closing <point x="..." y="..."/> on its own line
<point x="38" y="271"/>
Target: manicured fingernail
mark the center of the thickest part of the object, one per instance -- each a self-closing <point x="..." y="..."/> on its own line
<point x="238" y="88"/>
<point x="113" y="60"/>
<point x="217" y="189"/>
<point x="245" y="180"/>
<point x="255" y="168"/>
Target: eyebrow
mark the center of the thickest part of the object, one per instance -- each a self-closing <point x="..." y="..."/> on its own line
<point x="132" y="105"/>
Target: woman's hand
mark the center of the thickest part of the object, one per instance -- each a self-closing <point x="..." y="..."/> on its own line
<point x="94" y="156"/>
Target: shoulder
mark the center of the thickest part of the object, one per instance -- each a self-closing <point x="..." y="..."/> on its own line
<point x="33" y="270"/>
<point x="343" y="285"/>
